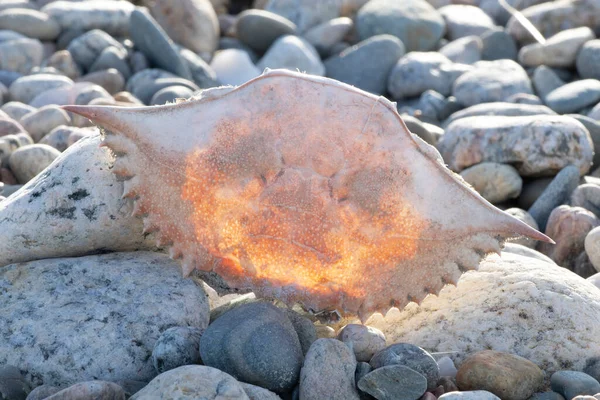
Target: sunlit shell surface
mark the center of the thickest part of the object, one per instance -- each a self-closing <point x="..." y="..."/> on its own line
<point x="303" y="189"/>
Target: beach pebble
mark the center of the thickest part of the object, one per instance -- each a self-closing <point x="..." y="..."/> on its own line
<point x="535" y="145"/>
<point x="59" y="137"/>
<point x="328" y="372"/>
<point x="545" y="81"/>
<point x="501" y="109"/>
<point x="169" y="94"/>
<point x="364" y="340"/>
<point x="498" y="45"/>
<point x="12" y="384"/>
<point x="547" y="396"/>
<point x="587" y="196"/>
<point x="40" y="122"/>
<point x="202" y="74"/>
<point x="465" y="50"/>
<point x="588" y="59"/>
<point x="556" y="193"/>
<point x="191" y="23"/>
<point x="31" y="23"/>
<point x="305" y="329"/>
<point x="410" y="356"/>
<point x="549" y="18"/>
<point x="521" y="250"/>
<point x="494" y="182"/>
<point x="257" y="344"/>
<point x="63" y="61"/>
<point x="326" y="35"/>
<point x="42" y="392"/>
<point x="257" y="393"/>
<point x="446" y="367"/>
<point x="592" y="247"/>
<point x="139" y="81"/>
<point x="111" y="17"/>
<point x="417" y="72"/>
<point x="506" y="375"/>
<point x="491" y="81"/>
<point x="10" y="127"/>
<point x="145" y="93"/>
<point x="558" y="51"/>
<point x="574" y="96"/>
<point x="416" y="23"/>
<point x="573" y="383"/>
<point x="259" y="29"/>
<point x="111" y="80"/>
<point x="177" y="346"/>
<point x="112" y="57"/>
<point x="293" y="53"/>
<point x="368" y="64"/>
<point x="28" y="161"/>
<point x="514" y="304"/>
<point x="90" y="390"/>
<point x="122" y="286"/>
<point x="151" y="40"/>
<point x="234" y="67"/>
<point x="86" y="48"/>
<point x="192" y="382"/>
<point x="469" y="395"/>
<point x="465" y="20"/>
<point x="21" y="55"/>
<point x="393" y="382"/>
<point x="305" y="14"/>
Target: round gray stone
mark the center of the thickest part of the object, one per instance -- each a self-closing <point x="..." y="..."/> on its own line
<point x="292" y="52"/>
<point x="465" y="20"/>
<point x="588" y="59"/>
<point x="112" y="57"/>
<point x="31" y="23"/>
<point x="256" y="343"/>
<point x="170" y="94"/>
<point x="328" y="372"/>
<point x="28" y="161"/>
<point x="394" y="382"/>
<point x="574" y="96"/>
<point x="177" y="346"/>
<point x="416" y="23"/>
<point x="152" y="40"/>
<point x="573" y="383"/>
<point x="368" y="64"/>
<point x="259" y="29"/>
<point x="86" y="48"/>
<point x="545" y="80"/>
<point x="20" y="55"/>
<point x="411" y="356"/>
<point x="498" y="45"/>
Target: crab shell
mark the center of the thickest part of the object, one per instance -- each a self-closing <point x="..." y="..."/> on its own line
<point x="303" y="189"/>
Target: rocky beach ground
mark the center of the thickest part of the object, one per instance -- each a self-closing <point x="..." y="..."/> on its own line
<point x="90" y="308"/>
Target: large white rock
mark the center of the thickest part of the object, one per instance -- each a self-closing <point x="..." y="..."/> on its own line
<point x="72" y="208"/>
<point x="69" y="320"/>
<point x="516" y="304"/>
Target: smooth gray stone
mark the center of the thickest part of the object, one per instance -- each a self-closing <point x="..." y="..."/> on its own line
<point x="21" y="55"/>
<point x="8" y="77"/>
<point x="547" y="396"/>
<point x="152" y="40"/>
<point x="557" y="193"/>
<point x="96" y="389"/>
<point x="12" y="384"/>
<point x="411" y="356"/>
<point x="469" y="395"/>
<point x="86" y="48"/>
<point x="112" y="57"/>
<point x="368" y="64"/>
<point x="394" y="382"/>
<point x="170" y="94"/>
<point x="202" y="74"/>
<point x="257" y="344"/>
<point x="146" y="93"/>
<point x="500" y="108"/>
<point x="593" y="127"/>
<point x="498" y="45"/>
<point x="588" y="60"/>
<point x="545" y="80"/>
<point x="574" y="96"/>
<point x="259" y="29"/>
<point x="573" y="383"/>
<point x="416" y="23"/>
<point x="592" y="367"/>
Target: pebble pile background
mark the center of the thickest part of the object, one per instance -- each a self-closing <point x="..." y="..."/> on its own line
<point x="518" y="119"/>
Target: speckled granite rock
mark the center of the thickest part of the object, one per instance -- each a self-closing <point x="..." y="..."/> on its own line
<point x="68" y="320"/>
<point x="516" y="304"/>
<point x="73" y="208"/>
<point x="192" y="382"/>
<point x="536" y="145"/>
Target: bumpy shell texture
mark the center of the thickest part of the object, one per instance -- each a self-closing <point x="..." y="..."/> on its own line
<point x="303" y="189"/>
